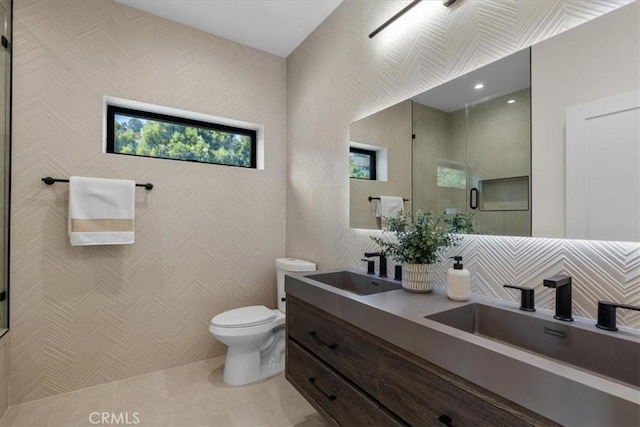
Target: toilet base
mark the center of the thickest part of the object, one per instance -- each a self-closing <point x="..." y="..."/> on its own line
<point x="241" y="367"/>
<point x="245" y="367"/>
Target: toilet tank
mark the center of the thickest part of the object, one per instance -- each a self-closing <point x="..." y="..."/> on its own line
<point x="289" y="265"/>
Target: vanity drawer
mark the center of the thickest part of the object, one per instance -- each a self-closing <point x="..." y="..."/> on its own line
<point x="337" y="343"/>
<point x="347" y="405"/>
<point x="413" y="389"/>
<point x="421" y="397"/>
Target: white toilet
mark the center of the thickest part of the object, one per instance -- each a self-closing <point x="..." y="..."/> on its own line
<point x="255" y="334"/>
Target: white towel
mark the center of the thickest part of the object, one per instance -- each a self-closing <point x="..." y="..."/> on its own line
<point x="101" y="211"/>
<point x="389" y="206"/>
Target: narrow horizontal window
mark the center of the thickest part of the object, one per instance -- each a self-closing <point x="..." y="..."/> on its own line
<point x="141" y="133"/>
<point x="362" y="163"/>
<point x="452" y="178"/>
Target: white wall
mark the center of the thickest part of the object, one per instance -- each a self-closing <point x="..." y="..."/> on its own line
<point x="588" y="63"/>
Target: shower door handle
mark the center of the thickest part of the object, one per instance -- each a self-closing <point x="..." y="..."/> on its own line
<point x="473" y="198"/>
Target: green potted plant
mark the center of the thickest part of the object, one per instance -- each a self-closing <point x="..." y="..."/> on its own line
<point x="415" y="243"/>
<point x="461" y="222"/>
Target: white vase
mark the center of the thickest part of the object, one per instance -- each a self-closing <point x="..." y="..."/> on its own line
<point x="418" y="278"/>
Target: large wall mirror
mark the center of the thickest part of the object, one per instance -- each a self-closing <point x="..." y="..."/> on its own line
<point x="548" y="147"/>
<point x="464" y="146"/>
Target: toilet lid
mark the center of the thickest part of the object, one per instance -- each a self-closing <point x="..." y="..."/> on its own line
<point x="244" y="316"/>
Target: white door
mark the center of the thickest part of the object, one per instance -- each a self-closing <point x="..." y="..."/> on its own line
<point x="603" y="169"/>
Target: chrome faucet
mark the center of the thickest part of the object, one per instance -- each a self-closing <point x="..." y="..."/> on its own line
<point x="562" y="284"/>
<point x="383" y="262"/>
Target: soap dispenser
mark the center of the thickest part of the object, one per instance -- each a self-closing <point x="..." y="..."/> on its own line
<point x="458" y="281"/>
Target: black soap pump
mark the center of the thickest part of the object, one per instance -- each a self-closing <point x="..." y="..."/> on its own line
<point x="458" y="281"/>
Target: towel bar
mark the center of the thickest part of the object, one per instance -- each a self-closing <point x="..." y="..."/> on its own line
<point x="50" y="181"/>
<point x="378" y="198"/>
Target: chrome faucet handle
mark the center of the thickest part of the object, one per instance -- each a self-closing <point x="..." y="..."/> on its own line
<point x="527" y="297"/>
<point x="607" y="314"/>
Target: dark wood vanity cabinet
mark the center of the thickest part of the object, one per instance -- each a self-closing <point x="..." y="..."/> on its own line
<point x="343" y="402"/>
<point x="356" y="379"/>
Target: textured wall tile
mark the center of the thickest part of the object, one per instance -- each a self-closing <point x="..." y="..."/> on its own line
<point x="207" y="236"/>
<point x="4" y="374"/>
<point x="442" y="44"/>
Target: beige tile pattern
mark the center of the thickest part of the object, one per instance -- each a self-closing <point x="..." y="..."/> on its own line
<point x="190" y="395"/>
<point x="73" y="408"/>
<point x="4" y="373"/>
<point x="207" y="236"/>
<point x="339" y="75"/>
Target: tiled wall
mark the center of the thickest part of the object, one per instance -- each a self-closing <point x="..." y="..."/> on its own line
<point x="4" y="374"/>
<point x="207" y="236"/>
<point x="339" y="75"/>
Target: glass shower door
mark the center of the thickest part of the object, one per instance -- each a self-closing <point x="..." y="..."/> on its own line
<point x="5" y="160"/>
<point x="499" y="164"/>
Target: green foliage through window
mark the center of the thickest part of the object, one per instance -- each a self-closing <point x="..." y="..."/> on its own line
<point x="362" y="163"/>
<point x="147" y="134"/>
<point x="451" y="178"/>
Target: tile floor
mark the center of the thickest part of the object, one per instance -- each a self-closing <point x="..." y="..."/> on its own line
<point x="190" y="395"/>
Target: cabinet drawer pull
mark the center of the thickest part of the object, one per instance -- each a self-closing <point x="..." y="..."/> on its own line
<point x="445" y="420"/>
<point x="331" y="346"/>
<point x="328" y="396"/>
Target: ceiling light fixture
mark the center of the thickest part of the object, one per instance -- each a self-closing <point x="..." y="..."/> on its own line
<point x="511" y="101"/>
<point x="478" y="86"/>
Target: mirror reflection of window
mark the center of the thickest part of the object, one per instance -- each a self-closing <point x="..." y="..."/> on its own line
<point x="451" y="177"/>
<point x="362" y="163"/>
<point x="388" y="134"/>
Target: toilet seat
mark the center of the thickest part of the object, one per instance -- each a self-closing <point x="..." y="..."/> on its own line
<point x="277" y="319"/>
<point x="244" y="317"/>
